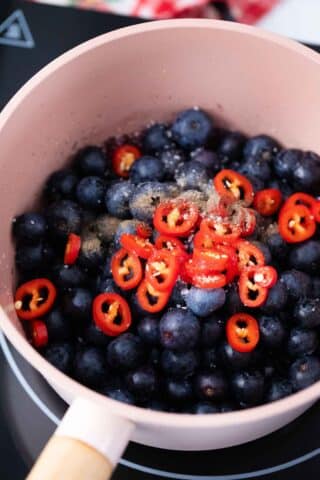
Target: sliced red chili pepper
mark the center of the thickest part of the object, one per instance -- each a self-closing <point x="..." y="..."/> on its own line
<point x="242" y="332"/>
<point x="300" y="198"/>
<point x="184" y="269"/>
<point x="251" y="293"/>
<point x="39" y="333"/>
<point x="126" y="269"/>
<point x="143" y="230"/>
<point x="296" y="223"/>
<point x="229" y="182"/>
<point x="175" y="218"/>
<point x="210" y="259"/>
<point x="111" y="313"/>
<point x="209" y="280"/>
<point x="72" y="249"/>
<point x="265" y="276"/>
<point x="202" y="240"/>
<point x="150" y="299"/>
<point x="248" y="222"/>
<point x="248" y="254"/>
<point x="35" y="298"/>
<point x="135" y="244"/>
<point x="123" y="159"/>
<point x="173" y="245"/>
<point x="316" y="211"/>
<point x="162" y="270"/>
<point x="267" y="202"/>
<point x="220" y="231"/>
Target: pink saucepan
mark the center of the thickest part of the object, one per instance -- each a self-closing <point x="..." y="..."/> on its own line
<point x="250" y="80"/>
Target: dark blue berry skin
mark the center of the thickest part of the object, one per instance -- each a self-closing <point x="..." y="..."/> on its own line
<point x="117" y="199"/>
<point x="172" y="159"/>
<point x="209" y="358"/>
<point x="316" y="286"/>
<point x="92" y="335"/>
<point x="232" y="359"/>
<point x="277" y="299"/>
<point x="156" y="405"/>
<point x="255" y="168"/>
<point x="105" y="285"/>
<point x="125" y="352"/>
<point x="192" y="176"/>
<point x="61" y="356"/>
<point x="278" y="389"/>
<point x="202" y="302"/>
<point x="179" y="330"/>
<point x="178" y="293"/>
<point x="104" y="227"/>
<point x="142" y="382"/>
<point x="91" y="192"/>
<point x="61" y="185"/>
<point x="306" y="257"/>
<point x="285" y="162"/>
<point x="277" y="246"/>
<point x="233" y="302"/>
<point x="91" y="161"/>
<point x="63" y="217"/>
<point x="156" y="138"/>
<point x="76" y="304"/>
<point x="248" y="387"/>
<point x="306" y="174"/>
<point x="212" y="329"/>
<point x="179" y="364"/>
<point x="226" y="407"/>
<point x="57" y="325"/>
<point x="33" y="258"/>
<point x="304" y="372"/>
<point x="146" y="198"/>
<point x="261" y="147"/>
<point x="146" y="169"/>
<point x="201" y="408"/>
<point x="265" y="250"/>
<point x="272" y="331"/>
<point x="118" y="393"/>
<point x="29" y="227"/>
<point x="208" y="159"/>
<point x="92" y="253"/>
<point x="178" y="390"/>
<point x="302" y="342"/>
<point x="154" y="357"/>
<point x="68" y="276"/>
<point x="298" y="283"/>
<point x="127" y="226"/>
<point x="148" y="330"/>
<point x="211" y="386"/>
<point x="89" y="367"/>
<point x="307" y="312"/>
<point x="230" y="148"/>
<point x="192" y="128"/>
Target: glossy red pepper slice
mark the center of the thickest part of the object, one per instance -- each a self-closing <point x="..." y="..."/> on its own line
<point x="162" y="270"/>
<point x="251" y="293"/>
<point x="171" y="244"/>
<point x="249" y="255"/>
<point x="126" y="269"/>
<point x="203" y="240"/>
<point x="242" y="332"/>
<point x="35" y="298"/>
<point x="247" y="221"/>
<point x="300" y="198"/>
<point x="111" y="313"/>
<point x="231" y="183"/>
<point x="220" y="231"/>
<point x="39" y="333"/>
<point x="123" y="159"/>
<point x="150" y="299"/>
<point x="138" y="245"/>
<point x="175" y="218"/>
<point x="72" y="249"/>
<point x="265" y="276"/>
<point x="267" y="202"/>
<point x="143" y="230"/>
<point x="315" y="210"/>
<point x="296" y="223"/>
<point x="215" y="258"/>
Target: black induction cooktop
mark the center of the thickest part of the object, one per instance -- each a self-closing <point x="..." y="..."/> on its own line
<point x="30" y="36"/>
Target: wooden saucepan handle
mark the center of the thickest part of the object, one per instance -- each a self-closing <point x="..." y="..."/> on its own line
<point x="86" y="446"/>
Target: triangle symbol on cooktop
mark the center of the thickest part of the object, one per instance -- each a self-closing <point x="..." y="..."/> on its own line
<point x="15" y="31"/>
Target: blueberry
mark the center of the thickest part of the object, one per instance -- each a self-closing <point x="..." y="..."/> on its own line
<point x="202" y="302"/>
<point x="125" y="352"/>
<point x="302" y="342"/>
<point x="316" y="286"/>
<point x="179" y="330"/>
<point x="104" y="285"/>
<point x="212" y="329"/>
<point x="61" y="185"/>
<point x="154" y="357"/>
<point x="177" y="294"/>
<point x="92" y="253"/>
<point x="209" y="358"/>
<point x="306" y="257"/>
<point x="148" y="330"/>
<point x="256" y="168"/>
<point x="120" y="394"/>
<point x="91" y="192"/>
<point x="277" y="246"/>
<point x="192" y="176"/>
<point x="277" y="299"/>
<point x="57" y="325"/>
<point x="304" y="372"/>
<point x="306" y="174"/>
<point x="201" y="408"/>
<point x="156" y="138"/>
<point x="211" y="385"/>
<point x="61" y="356"/>
<point x="90" y="367"/>
<point x="31" y="258"/>
<point x="91" y="161"/>
<point x="29" y="227"/>
<point x="284" y="163"/>
<point x="230" y="148"/>
<point x="298" y="283"/>
<point x="104" y="227"/>
<point x="142" y="382"/>
<point x="192" y="128"/>
<point x="261" y="147"/>
<point x="232" y="359"/>
<point x="172" y="159"/>
<point x="233" y="302"/>
<point x="77" y="304"/>
<point x="146" y="198"/>
<point x="248" y="387"/>
<point x="272" y="331"/>
<point x="92" y="335"/>
<point x="179" y="364"/>
<point x="64" y="217"/>
<point x="264" y="249"/>
<point x="307" y="312"/>
<point x="147" y="169"/>
<point x="278" y="389"/>
<point x="178" y="390"/>
<point x="117" y="199"/>
<point x="156" y="404"/>
<point x="68" y="276"/>
<point x="208" y="159"/>
<point x="127" y="226"/>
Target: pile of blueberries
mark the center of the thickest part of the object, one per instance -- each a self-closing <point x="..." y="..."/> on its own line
<point x="178" y="360"/>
